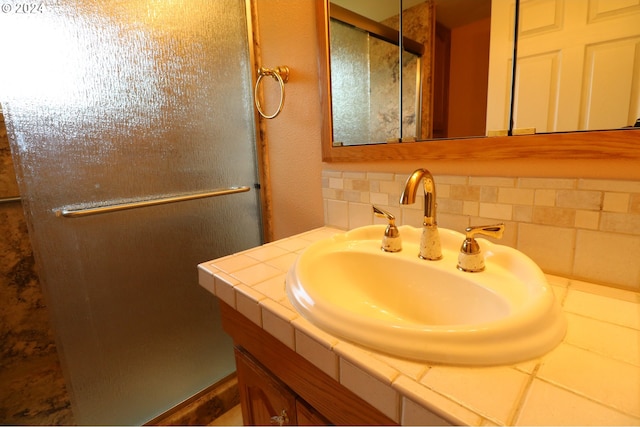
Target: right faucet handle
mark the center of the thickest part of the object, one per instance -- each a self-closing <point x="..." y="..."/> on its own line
<point x="495" y="230"/>
<point x="470" y="259"/>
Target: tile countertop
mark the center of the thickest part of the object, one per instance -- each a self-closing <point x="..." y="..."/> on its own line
<point x="591" y="378"/>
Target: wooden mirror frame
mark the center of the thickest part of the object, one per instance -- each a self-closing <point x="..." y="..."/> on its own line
<point x="606" y="145"/>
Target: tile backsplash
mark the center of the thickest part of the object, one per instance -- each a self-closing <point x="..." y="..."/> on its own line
<point x="587" y="229"/>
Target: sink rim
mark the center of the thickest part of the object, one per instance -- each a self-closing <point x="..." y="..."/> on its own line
<point x="535" y="328"/>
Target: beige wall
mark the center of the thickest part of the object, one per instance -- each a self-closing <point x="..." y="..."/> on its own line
<point x="288" y="37"/>
<point x="296" y="171"/>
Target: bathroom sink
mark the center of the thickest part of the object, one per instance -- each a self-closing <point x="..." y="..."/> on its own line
<point x="425" y="310"/>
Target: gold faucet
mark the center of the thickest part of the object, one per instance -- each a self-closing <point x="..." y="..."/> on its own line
<point x="430" y="241"/>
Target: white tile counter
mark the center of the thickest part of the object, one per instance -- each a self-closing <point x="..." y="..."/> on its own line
<point x="591" y="378"/>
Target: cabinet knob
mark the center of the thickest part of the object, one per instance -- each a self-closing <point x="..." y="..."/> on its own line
<point x="281" y="419"/>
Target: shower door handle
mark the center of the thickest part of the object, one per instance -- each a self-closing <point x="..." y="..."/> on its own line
<point x="10" y="199"/>
<point x="74" y="213"/>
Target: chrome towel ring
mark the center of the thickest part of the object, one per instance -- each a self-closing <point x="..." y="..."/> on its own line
<point x="281" y="74"/>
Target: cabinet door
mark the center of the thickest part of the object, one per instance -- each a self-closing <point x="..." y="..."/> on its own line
<point x="308" y="416"/>
<point x="264" y="399"/>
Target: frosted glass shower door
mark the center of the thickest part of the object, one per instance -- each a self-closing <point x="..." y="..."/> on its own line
<point x="117" y="102"/>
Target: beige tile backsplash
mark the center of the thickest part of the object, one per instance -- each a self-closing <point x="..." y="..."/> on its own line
<point x="587" y="229"/>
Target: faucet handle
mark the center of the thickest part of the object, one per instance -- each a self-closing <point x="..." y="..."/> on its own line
<point x="391" y="241"/>
<point x="495" y="230"/>
<point x="470" y="259"/>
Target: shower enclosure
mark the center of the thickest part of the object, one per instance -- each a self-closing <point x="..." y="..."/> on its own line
<point x="120" y="102"/>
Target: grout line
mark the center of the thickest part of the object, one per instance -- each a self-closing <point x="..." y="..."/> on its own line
<point x="522" y="398"/>
<point x="587" y="397"/>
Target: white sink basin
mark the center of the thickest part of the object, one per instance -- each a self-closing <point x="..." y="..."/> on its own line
<point x="400" y="304"/>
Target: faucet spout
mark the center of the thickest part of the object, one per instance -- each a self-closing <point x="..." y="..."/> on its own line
<point x="430" y="247"/>
<point x="408" y="196"/>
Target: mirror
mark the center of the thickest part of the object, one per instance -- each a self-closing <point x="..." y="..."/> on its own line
<point x="615" y="145"/>
<point x="452" y="32"/>
<point x="578" y="66"/>
<point x="366" y="79"/>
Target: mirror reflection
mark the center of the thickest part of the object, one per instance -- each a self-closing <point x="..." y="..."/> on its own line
<point x="462" y="64"/>
<point x="366" y="80"/>
<point x="366" y="109"/>
<point x="578" y="66"/>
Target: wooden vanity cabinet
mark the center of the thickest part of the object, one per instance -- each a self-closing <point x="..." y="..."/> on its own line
<point x="272" y="378"/>
<point x="266" y="400"/>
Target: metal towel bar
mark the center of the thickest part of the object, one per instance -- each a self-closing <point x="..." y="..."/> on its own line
<point x="74" y="213"/>
<point x="10" y="199"/>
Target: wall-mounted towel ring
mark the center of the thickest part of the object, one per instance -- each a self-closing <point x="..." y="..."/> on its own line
<point x="281" y="74"/>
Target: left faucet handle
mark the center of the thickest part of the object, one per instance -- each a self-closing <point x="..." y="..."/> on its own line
<point x="391" y="241"/>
